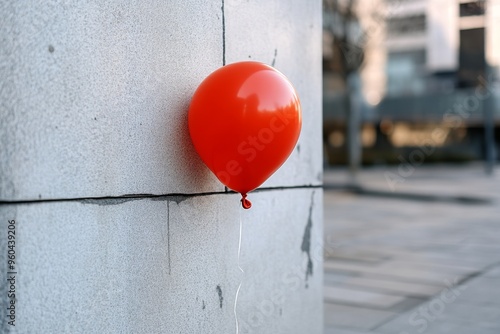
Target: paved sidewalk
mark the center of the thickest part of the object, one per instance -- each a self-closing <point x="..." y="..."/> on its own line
<point x="397" y="265"/>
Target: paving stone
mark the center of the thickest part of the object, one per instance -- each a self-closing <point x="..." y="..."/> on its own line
<point x="415" y="321"/>
<point x="381" y="285"/>
<point x="484" y="291"/>
<point x="452" y="269"/>
<point x="359" y="297"/>
<point x="363" y="258"/>
<point x="339" y="330"/>
<point x="355" y="318"/>
<point x="405" y="274"/>
<point x="404" y="323"/>
<point x="454" y="328"/>
<point x="469" y="313"/>
<point x="407" y="304"/>
<point x="472" y="261"/>
<point x="495" y="273"/>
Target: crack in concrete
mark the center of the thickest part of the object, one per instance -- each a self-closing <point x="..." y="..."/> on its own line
<point x="219" y="292"/>
<point x="175" y="197"/>
<point x="306" y="241"/>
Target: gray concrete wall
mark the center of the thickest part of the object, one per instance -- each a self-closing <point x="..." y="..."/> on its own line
<point x="120" y="228"/>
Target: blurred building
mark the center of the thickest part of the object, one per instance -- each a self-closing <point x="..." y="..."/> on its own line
<point x="424" y="62"/>
<point x="440" y="45"/>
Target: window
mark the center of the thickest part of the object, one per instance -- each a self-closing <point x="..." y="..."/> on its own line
<point x="406" y="25"/>
<point x="471" y="57"/>
<point x="472" y="8"/>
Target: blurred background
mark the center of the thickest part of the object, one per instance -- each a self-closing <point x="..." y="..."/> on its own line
<point x="410" y="73"/>
<point x="411" y="116"/>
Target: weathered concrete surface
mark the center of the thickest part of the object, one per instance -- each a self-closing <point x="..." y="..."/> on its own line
<point x="94" y="97"/>
<point x="161" y="266"/>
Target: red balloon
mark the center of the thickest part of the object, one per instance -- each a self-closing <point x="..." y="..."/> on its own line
<point x="244" y="121"/>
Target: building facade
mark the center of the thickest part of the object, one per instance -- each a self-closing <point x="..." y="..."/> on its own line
<point x="440" y="46"/>
<point x="427" y="66"/>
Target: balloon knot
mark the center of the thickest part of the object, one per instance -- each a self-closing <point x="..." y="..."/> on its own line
<point x="246" y="204"/>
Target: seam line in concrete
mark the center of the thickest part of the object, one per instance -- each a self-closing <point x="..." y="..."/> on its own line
<point x="223" y="35"/>
<point x="177" y="197"/>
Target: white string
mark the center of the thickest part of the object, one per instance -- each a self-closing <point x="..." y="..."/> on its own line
<point x="239" y="286"/>
<point x="239" y="243"/>
<point x="235" y="315"/>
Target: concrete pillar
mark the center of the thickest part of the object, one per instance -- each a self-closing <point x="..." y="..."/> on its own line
<point x="119" y="227"/>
